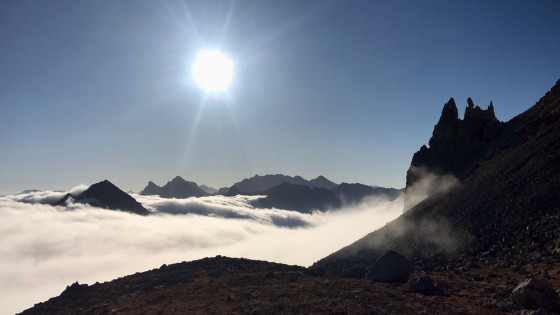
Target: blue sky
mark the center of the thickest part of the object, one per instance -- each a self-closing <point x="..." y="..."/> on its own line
<point x="93" y="90"/>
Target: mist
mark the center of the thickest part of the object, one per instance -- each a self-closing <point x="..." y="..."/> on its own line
<point x="427" y="184"/>
<point x="46" y="248"/>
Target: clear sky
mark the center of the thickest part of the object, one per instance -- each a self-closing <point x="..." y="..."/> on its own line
<point x="93" y="90"/>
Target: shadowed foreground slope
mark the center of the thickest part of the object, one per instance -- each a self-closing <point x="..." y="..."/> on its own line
<point x="227" y="285"/>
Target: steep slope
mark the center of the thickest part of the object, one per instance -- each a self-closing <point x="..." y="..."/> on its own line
<point x="508" y="206"/>
<point x="180" y="188"/>
<point x="151" y="189"/>
<point x="106" y="195"/>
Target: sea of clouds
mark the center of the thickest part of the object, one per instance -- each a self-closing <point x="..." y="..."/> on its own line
<point x="46" y="248"/>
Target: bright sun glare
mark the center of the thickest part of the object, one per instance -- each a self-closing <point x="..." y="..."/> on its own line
<point x="212" y="70"/>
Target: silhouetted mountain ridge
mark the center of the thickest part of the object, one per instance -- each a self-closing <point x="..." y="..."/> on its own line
<point x="507" y="207"/>
<point x="259" y="184"/>
<point x="106" y="195"/>
<point x="151" y="189"/>
<point x="180" y="188"/>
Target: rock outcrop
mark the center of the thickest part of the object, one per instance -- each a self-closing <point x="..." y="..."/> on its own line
<point x="456" y="146"/>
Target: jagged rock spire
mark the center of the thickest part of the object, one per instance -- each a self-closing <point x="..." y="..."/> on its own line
<point x="449" y="112"/>
<point x="470" y="102"/>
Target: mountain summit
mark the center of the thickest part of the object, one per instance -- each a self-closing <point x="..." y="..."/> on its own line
<point x="106" y="195"/>
<point x="151" y="189"/>
<point x="180" y="188"/>
<point x="456" y="146"/>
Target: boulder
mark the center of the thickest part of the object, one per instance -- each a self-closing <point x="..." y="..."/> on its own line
<point x="534" y="294"/>
<point x="391" y="267"/>
<point x="423" y="284"/>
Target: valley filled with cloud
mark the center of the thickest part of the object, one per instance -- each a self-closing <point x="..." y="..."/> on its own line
<point x="45" y="248"/>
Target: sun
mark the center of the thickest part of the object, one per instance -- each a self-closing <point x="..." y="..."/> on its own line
<point x="212" y="70"/>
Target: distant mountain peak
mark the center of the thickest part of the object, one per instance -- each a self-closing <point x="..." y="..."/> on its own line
<point x="322" y="182"/>
<point x="106" y="195"/>
<point x="180" y="188"/>
<point x="178" y="179"/>
<point x="151" y="189"/>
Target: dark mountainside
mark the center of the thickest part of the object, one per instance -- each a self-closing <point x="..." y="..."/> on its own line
<point x="233" y="191"/>
<point x="106" y="195"/>
<point x="300" y="198"/>
<point x="180" y="188"/>
<point x="355" y="193"/>
<point x="151" y="189"/>
<point x="306" y="199"/>
<point x="259" y="184"/>
<point x="506" y="209"/>
<point x="478" y="248"/>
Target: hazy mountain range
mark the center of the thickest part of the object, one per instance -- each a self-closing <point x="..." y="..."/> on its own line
<point x="281" y="191"/>
<point x="303" y="198"/>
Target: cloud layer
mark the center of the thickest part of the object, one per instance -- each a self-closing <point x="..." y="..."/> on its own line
<point x="46" y="248"/>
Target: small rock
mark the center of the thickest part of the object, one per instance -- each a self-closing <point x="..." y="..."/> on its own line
<point x="443" y="288"/>
<point x="391" y="267"/>
<point x="534" y="294"/>
<point x="424" y="285"/>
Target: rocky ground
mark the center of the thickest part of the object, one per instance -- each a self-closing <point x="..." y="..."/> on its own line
<point x="241" y="286"/>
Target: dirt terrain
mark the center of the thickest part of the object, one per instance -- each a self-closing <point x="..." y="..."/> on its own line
<point x="241" y="286"/>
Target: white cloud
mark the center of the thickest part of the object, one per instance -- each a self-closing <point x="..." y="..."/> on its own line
<point x="46" y="248"/>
